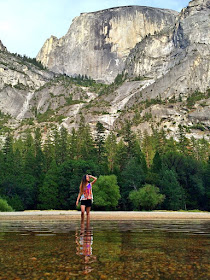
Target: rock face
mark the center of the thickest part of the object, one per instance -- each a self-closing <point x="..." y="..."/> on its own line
<point x="18" y="80"/>
<point x="175" y="61"/>
<point x="166" y="74"/>
<point x="2" y="47"/>
<point x="98" y="43"/>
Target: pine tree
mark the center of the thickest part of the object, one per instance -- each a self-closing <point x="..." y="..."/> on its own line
<point x="29" y="142"/>
<point x="129" y="138"/>
<point x="157" y="163"/>
<point x="111" y="147"/>
<point x="73" y="150"/>
<point x="39" y="157"/>
<point x="85" y="143"/>
<point x="206" y="179"/>
<point x="48" y="151"/>
<point x="100" y="143"/>
<point x="161" y="145"/>
<point x="48" y="191"/>
<point x="148" y="148"/>
<point x="121" y="156"/>
<point x="171" y="145"/>
<point x="132" y="178"/>
<point x="8" y="154"/>
<point x="88" y="151"/>
<point x="63" y="144"/>
<point x="174" y="193"/>
<point x="183" y="141"/>
<point x="203" y="148"/>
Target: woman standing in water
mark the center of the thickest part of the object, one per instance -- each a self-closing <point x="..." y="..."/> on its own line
<point x="85" y="192"/>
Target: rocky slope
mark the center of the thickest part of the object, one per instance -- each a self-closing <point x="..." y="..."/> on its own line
<point x="176" y="62"/>
<point x="165" y="84"/>
<point x="2" y="47"/>
<point x="19" y="78"/>
<point x="98" y="43"/>
<point x="176" y="56"/>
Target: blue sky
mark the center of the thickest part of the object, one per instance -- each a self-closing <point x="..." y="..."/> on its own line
<point x="26" y="24"/>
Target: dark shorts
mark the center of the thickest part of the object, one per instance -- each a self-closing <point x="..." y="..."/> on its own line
<point x="87" y="202"/>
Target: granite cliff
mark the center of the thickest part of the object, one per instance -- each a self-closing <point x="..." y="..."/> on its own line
<point x="19" y="78"/>
<point x="164" y="82"/>
<point x="2" y="47"/>
<point x="98" y="43"/>
<point x="175" y="63"/>
<point x="177" y="59"/>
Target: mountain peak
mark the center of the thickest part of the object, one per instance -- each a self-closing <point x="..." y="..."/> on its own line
<point x="2" y="47"/>
<point x="98" y="43"/>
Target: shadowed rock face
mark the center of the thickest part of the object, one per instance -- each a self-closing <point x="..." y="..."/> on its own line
<point x="177" y="59"/>
<point x="18" y="79"/>
<point x="98" y="43"/>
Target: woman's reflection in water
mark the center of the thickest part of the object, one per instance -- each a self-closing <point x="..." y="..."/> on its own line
<point x="84" y="241"/>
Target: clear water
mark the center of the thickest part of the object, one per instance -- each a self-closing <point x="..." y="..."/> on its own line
<point x="104" y="250"/>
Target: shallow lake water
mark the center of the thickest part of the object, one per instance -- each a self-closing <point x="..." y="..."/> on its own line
<point x="104" y="250"/>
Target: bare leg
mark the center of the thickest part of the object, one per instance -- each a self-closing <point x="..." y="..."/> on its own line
<point x="88" y="215"/>
<point x="82" y="212"/>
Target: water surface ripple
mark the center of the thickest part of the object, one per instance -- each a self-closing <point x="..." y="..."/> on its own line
<point x="104" y="250"/>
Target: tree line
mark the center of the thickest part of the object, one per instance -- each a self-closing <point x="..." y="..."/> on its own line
<point x="136" y="171"/>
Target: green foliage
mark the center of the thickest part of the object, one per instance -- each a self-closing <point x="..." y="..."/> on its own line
<point x="106" y="192"/>
<point x="30" y="60"/>
<point x="150" y="102"/>
<point x="157" y="163"/>
<point x="69" y="178"/>
<point x="61" y="145"/>
<point x="132" y="177"/>
<point x="20" y="86"/>
<point x="48" y="192"/>
<point x="79" y="80"/>
<point x="4" y="206"/>
<point x="198" y="126"/>
<point x="183" y="141"/>
<point x="129" y="138"/>
<point x="148" y="148"/>
<point x="174" y="193"/>
<point x="45" y="175"/>
<point x="45" y="116"/>
<point x="110" y="148"/>
<point x="147" y="116"/>
<point x="15" y="202"/>
<point x="120" y="78"/>
<point x="100" y="145"/>
<point x="70" y="101"/>
<point x="107" y="89"/>
<point x="206" y="176"/>
<point x="189" y="175"/>
<point x="147" y="197"/>
<point x="194" y="97"/>
<point x="85" y="146"/>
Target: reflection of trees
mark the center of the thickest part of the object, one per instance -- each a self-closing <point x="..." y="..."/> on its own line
<point x="107" y="244"/>
<point x="2" y="234"/>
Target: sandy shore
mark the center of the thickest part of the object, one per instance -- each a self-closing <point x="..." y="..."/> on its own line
<point x="108" y="215"/>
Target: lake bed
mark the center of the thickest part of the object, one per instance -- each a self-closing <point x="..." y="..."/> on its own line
<point x="104" y="249"/>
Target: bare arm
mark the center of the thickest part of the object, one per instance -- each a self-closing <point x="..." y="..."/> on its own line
<point x="94" y="179"/>
<point x="79" y="195"/>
